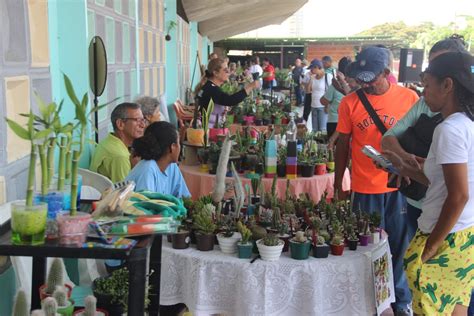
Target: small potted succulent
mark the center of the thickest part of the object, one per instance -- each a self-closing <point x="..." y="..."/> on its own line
<point x="282" y="229"/>
<point x="181" y="239"/>
<point x="337" y="245"/>
<point x="49" y="307"/>
<point x="365" y="235"/>
<point x="306" y="164"/>
<point x="65" y="304"/>
<point x="277" y="117"/>
<point x="205" y="228"/>
<point x="320" y="166"/>
<point x="352" y="240"/>
<point x="90" y="308"/>
<point x="244" y="246"/>
<point x="55" y="279"/>
<point x="300" y="246"/>
<point x="375" y="220"/>
<point x="229" y="238"/>
<point x="320" y="248"/>
<point x="270" y="247"/>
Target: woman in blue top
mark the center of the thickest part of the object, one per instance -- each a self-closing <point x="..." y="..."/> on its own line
<point x="159" y="149"/>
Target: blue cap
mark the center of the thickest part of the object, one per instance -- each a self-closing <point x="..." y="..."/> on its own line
<point x="369" y="63"/>
<point x="315" y="63"/>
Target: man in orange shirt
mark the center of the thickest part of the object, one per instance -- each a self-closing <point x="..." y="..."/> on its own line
<point x="369" y="184"/>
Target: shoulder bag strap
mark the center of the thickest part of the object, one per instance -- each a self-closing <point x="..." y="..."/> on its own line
<point x="368" y="107"/>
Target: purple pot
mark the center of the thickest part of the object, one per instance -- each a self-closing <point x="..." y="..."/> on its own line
<point x="364" y="239"/>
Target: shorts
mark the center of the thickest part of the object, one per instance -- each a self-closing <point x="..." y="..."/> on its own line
<point x="446" y="279"/>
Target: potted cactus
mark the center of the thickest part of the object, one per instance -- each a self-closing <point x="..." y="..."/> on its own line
<point x="337" y="245"/>
<point x="244" y="246"/>
<point x="375" y="220"/>
<point x="352" y="240"/>
<point x="55" y="278"/>
<point x="65" y="304"/>
<point x="90" y="308"/>
<point x="21" y="306"/>
<point x="320" y="249"/>
<point x="229" y="238"/>
<point x="282" y="229"/>
<point x="28" y="219"/>
<point x="50" y="307"/>
<point x="300" y="246"/>
<point x="270" y="247"/>
<point x="365" y="234"/>
<point x="204" y="225"/>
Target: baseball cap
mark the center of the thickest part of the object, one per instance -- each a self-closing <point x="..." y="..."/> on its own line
<point x="315" y="63"/>
<point x="369" y="63"/>
<point x="456" y="65"/>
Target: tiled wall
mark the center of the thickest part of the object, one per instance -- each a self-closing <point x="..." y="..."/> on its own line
<point x="24" y="68"/>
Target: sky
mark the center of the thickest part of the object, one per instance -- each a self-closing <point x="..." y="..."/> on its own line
<point x="344" y="19"/>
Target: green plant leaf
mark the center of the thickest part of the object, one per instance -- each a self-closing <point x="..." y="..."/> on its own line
<point x="70" y="90"/>
<point x="42" y="134"/>
<point x="18" y="130"/>
<point x="66" y="128"/>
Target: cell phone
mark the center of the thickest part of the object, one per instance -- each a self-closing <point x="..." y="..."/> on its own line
<point x="373" y="154"/>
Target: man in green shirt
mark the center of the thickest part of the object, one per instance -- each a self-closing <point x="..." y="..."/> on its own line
<point x="112" y="156"/>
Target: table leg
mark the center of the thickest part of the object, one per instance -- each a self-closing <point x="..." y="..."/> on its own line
<point x="38" y="277"/>
<point x="155" y="265"/>
<point x="136" y="288"/>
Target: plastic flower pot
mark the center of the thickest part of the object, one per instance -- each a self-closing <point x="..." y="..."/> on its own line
<point x="364" y="239"/>
<point x="214" y="132"/>
<point x="270" y="253"/>
<point x="205" y="242"/>
<point x="73" y="229"/>
<point x="320" y="169"/>
<point x="300" y="250"/>
<point x="277" y="121"/>
<point x="307" y="171"/>
<point x="67" y="310"/>
<point x="43" y="294"/>
<point x="376" y="237"/>
<point x="249" y="119"/>
<point x="286" y="240"/>
<point x="195" y="136"/>
<point x="284" y="120"/>
<point x="28" y="223"/>
<point x="228" y="245"/>
<point x="352" y="244"/>
<point x="281" y="171"/>
<point x="98" y="312"/>
<point x="337" y="250"/>
<point x="180" y="240"/>
<point x="331" y="165"/>
<point x="244" y="250"/>
<point x="321" y="251"/>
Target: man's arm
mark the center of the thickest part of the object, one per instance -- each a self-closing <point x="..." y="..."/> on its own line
<point x="341" y="160"/>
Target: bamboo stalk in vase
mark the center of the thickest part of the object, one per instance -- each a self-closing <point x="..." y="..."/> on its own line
<point x="50" y="159"/>
<point x="44" y="170"/>
<point x="75" y="164"/>
<point x="31" y="176"/>
<point x="62" y="163"/>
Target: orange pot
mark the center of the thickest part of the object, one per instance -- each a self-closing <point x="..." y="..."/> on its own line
<point x="195" y="136"/>
<point x="43" y="294"/>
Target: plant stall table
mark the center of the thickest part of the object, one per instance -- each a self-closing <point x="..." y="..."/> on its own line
<point x="201" y="183"/>
<point x="216" y="283"/>
<point x="135" y="257"/>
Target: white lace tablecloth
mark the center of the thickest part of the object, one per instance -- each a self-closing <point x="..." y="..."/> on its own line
<point x="213" y="282"/>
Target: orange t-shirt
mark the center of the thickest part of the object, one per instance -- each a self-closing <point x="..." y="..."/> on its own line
<point x="354" y="120"/>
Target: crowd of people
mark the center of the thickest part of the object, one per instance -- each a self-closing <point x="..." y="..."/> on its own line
<point x="428" y="139"/>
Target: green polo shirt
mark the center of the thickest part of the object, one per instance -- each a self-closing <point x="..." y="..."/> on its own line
<point x="111" y="159"/>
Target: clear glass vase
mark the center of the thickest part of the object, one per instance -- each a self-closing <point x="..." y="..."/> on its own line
<point x="28" y="223"/>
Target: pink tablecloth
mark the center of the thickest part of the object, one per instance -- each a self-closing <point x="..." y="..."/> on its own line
<point x="200" y="183"/>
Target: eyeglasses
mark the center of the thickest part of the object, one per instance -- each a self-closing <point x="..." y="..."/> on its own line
<point x="139" y="120"/>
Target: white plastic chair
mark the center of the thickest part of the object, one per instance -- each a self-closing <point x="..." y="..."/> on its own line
<point x="93" y="184"/>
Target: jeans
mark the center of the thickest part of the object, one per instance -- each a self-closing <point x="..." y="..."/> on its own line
<point x="319" y="119"/>
<point x="299" y="96"/>
<point x="412" y="220"/>
<point x="393" y="210"/>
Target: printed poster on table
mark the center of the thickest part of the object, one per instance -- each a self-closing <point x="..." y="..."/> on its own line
<point x="383" y="277"/>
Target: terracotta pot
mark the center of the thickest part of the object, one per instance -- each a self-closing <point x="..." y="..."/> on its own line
<point x="205" y="242"/>
<point x="320" y="169"/>
<point x="195" y="136"/>
<point x="43" y="294"/>
<point x="337" y="250"/>
<point x="180" y="240"/>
